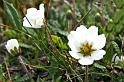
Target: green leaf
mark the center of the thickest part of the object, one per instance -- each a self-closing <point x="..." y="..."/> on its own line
<point x="57" y="40"/>
<point x="59" y="79"/>
<point x="116" y="48"/>
<point x="99" y="66"/>
<point x="1" y="73"/>
<point x="109" y="54"/>
<point x="25" y="45"/>
<point x="12" y="15"/>
<point x="40" y="67"/>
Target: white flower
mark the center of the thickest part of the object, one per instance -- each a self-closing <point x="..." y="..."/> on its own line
<point x="11" y="45"/>
<point x="86" y="45"/>
<point x="34" y="18"/>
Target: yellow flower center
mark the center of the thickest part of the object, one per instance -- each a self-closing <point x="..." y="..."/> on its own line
<point x="86" y="49"/>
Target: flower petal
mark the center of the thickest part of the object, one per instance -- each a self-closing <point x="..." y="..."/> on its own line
<point x="92" y="34"/>
<point x="81" y="29"/>
<point x="97" y="55"/>
<point x="73" y="43"/>
<point x="31" y="10"/>
<point x="79" y="35"/>
<point x="93" y="30"/>
<point x="75" y="54"/>
<point x="100" y="41"/>
<point x="39" y="22"/>
<point x="41" y="7"/>
<point x="86" y="60"/>
<point x="40" y="14"/>
<point x="34" y="17"/>
<point x="11" y="44"/>
<point x="74" y="46"/>
<point x="26" y="23"/>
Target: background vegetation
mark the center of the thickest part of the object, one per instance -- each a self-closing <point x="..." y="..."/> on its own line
<point x="45" y="51"/>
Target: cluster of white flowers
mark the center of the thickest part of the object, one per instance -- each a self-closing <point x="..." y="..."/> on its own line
<point x="86" y="45"/>
<point x="34" y="18"/>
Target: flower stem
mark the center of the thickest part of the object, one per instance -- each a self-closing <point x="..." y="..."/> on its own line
<point x="86" y="73"/>
<point x="8" y="72"/>
<point x="23" y="65"/>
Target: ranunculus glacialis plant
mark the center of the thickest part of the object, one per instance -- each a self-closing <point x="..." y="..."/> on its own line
<point x="12" y="45"/>
<point x="34" y="18"/>
<point x="86" y="45"/>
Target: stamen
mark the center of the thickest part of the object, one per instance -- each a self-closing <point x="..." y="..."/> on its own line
<point x="86" y="49"/>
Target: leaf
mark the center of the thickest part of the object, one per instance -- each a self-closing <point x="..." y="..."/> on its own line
<point x="12" y="15"/>
<point x="56" y="28"/>
<point x="109" y="54"/>
<point x="40" y="67"/>
<point x="57" y="40"/>
<point x="116" y="48"/>
<point x="1" y="73"/>
<point x="59" y="79"/>
<point x="25" y="45"/>
<point x="99" y="66"/>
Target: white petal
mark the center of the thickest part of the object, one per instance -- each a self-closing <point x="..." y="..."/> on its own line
<point x="73" y="43"/>
<point x="41" y="7"/>
<point x="74" y="46"/>
<point x="93" y="30"/>
<point x="34" y="17"/>
<point x="39" y="22"/>
<point x="75" y="54"/>
<point x="100" y="42"/>
<point x="31" y="10"/>
<point x="97" y="55"/>
<point x="11" y="44"/>
<point x="82" y="29"/>
<point x="86" y="60"/>
<point x="15" y="42"/>
<point x="77" y="36"/>
<point x="26" y="23"/>
<point x="8" y="48"/>
<point x="81" y="33"/>
<point x="92" y="34"/>
<point x="37" y="26"/>
<point x="32" y="14"/>
<point x="40" y="14"/>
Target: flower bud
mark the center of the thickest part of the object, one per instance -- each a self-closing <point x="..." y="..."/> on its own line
<point x="12" y="46"/>
<point x="69" y="14"/>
